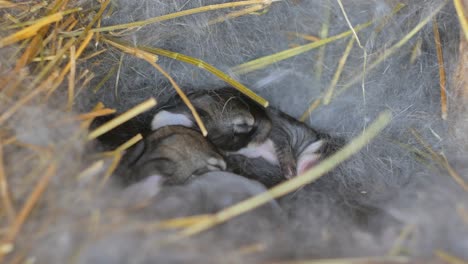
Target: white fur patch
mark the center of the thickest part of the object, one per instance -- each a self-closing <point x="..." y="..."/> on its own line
<point x="265" y="150"/>
<point x="309" y="157"/>
<point x="164" y="118"/>
<point x="314" y="147"/>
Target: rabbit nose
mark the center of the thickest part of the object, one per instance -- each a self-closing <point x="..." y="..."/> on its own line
<point x="243" y="124"/>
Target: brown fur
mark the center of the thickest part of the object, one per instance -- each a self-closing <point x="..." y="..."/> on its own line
<point x="177" y="153"/>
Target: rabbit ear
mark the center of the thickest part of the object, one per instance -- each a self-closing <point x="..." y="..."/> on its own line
<point x="309" y="157"/>
<point x="265" y="150"/>
<point x="166" y="118"/>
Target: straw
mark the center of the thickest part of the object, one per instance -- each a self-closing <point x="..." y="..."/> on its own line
<point x="293" y="184"/>
<point x="106" y="127"/>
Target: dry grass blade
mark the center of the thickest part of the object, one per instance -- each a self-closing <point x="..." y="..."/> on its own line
<point x="170" y="224"/>
<point x="29" y="205"/>
<point x="129" y="143"/>
<point x="86" y="36"/>
<point x="115" y="162"/>
<point x="46" y="58"/>
<point x="146" y="105"/>
<point x="183" y="221"/>
<point x="27" y="23"/>
<point x="184" y="98"/>
<point x="349" y="23"/>
<point x="311" y="108"/>
<point x="286" y="54"/>
<point x="461" y="16"/>
<point x="25" y="99"/>
<point x="305" y="36"/>
<point x="43" y="154"/>
<point x="30" y="51"/>
<point x="416" y="51"/>
<point x="243" y="12"/>
<point x="139" y="53"/>
<point x="117" y="78"/>
<point x="92" y="170"/>
<point x="67" y="67"/>
<point x="36" y="44"/>
<point x="73" y="22"/>
<point x="45" y="71"/>
<point x="105" y="79"/>
<point x="454" y="174"/>
<point x="250" y="249"/>
<point x="97" y="16"/>
<point x="441" y="160"/>
<point x="9" y="140"/>
<point x="6" y="249"/>
<point x="180" y="14"/>
<point x="449" y="258"/>
<point x="6" y="4"/>
<point x="86" y="123"/>
<point x="96" y="113"/>
<point x="117" y="156"/>
<point x="92" y="55"/>
<point x="318" y="68"/>
<point x="369" y="260"/>
<point x="10" y="18"/>
<point x="386" y="19"/>
<point x="71" y="78"/>
<point x="203" y="65"/>
<point x="363" y="83"/>
<point x="31" y="30"/>
<point x="442" y="78"/>
<point x="339" y="70"/>
<point x="293" y="184"/>
<point x="404" y="234"/>
<point x="390" y="51"/>
<point x="328" y="96"/>
<point x="85" y="77"/>
<point x="151" y="58"/>
<point x="4" y="190"/>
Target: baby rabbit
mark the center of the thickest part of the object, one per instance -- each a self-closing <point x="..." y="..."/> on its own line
<point x="210" y="193"/>
<point x="238" y="126"/>
<point x="175" y="153"/>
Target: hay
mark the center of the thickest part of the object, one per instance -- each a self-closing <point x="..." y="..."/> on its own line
<point x="402" y="197"/>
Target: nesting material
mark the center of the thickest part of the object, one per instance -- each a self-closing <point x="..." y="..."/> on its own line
<point x="337" y="65"/>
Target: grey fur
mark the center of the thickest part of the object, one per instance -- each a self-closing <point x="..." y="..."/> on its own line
<point x="73" y="222"/>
